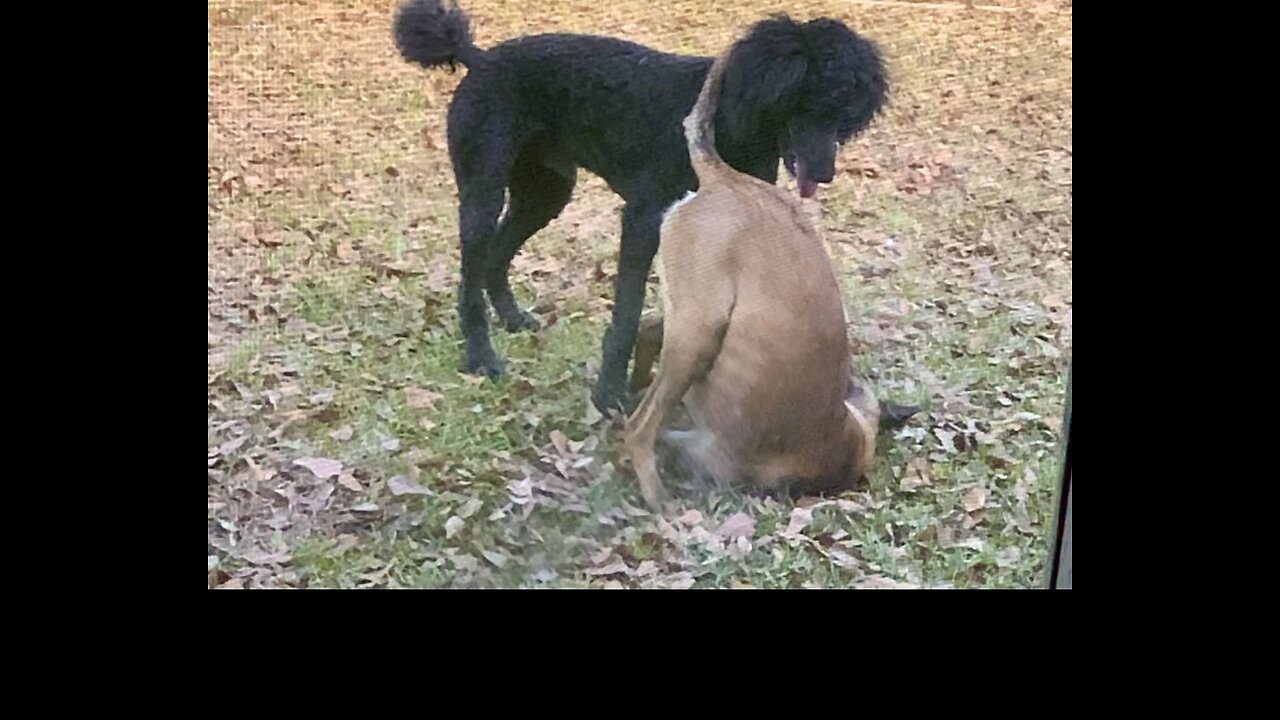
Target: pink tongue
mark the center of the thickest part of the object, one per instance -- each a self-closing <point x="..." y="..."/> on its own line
<point x="808" y="188"/>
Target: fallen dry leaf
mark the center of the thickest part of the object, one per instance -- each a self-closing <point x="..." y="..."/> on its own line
<point x="560" y="441"/>
<point x="398" y="269"/>
<point x="683" y="581"/>
<point x="530" y="264"/>
<point x="880" y="582"/>
<point x="453" y="525"/>
<point x="322" y="468"/>
<point x="418" y="399"/>
<point x="403" y="485"/>
<point x="348" y="481"/>
<point x="288" y="420"/>
<point x="737" y="525"/>
<point x="497" y="558"/>
<point x="593" y="415"/>
<point x="342" y="434"/>
<point x="849" y="506"/>
<point x="946" y="536"/>
<point x="1008" y="557"/>
<point x="690" y="518"/>
<point x="916" y="475"/>
<point x="470" y="508"/>
<point x="975" y="499"/>
<point x="612" y="568"/>
<point x="800" y="519"/>
<point x="439" y="278"/>
<point x="231" y="446"/>
<point x="972" y="520"/>
<point x="947" y="439"/>
<point x="259" y="474"/>
<point x="843" y="559"/>
<point x="261" y="557"/>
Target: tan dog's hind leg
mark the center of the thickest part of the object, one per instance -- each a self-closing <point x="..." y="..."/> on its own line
<point x="684" y="359"/>
<point x="690" y="342"/>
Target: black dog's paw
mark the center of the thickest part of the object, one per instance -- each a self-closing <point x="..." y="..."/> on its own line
<point x="486" y="364"/>
<point x="614" y="400"/>
<point x="521" y="321"/>
<point x="894" y="416"/>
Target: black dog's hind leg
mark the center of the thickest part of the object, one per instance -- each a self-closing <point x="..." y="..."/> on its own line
<point x="480" y="195"/>
<point x="537" y="195"/>
<point x="640" y="225"/>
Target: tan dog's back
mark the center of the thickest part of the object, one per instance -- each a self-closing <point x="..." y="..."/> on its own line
<point x="774" y="397"/>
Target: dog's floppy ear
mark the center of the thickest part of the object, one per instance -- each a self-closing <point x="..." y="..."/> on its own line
<point x="763" y="75"/>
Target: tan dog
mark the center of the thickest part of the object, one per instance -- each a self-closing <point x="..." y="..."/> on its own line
<point x="753" y="331"/>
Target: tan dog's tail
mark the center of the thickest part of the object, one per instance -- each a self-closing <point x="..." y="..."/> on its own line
<point x="700" y="125"/>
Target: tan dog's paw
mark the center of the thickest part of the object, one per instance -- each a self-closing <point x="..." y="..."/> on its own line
<point x="655" y="497"/>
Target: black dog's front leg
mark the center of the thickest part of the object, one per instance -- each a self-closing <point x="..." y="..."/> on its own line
<point x="639" y="244"/>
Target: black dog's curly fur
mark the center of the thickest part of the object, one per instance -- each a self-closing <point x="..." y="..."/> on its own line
<point x="534" y="109"/>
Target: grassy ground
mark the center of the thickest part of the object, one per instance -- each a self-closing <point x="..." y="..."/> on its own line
<point x="345" y="450"/>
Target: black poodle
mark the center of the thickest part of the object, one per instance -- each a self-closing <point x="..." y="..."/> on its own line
<point x="534" y="109"/>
